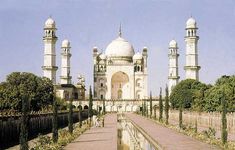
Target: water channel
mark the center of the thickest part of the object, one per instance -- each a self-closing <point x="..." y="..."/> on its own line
<point x="132" y="137"/>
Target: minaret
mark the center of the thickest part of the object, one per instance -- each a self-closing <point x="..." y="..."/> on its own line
<point x="65" y="77"/>
<point x="173" y="77"/>
<point x="191" y="68"/>
<point x="49" y="38"/>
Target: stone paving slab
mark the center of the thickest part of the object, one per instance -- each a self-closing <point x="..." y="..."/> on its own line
<point x="98" y="138"/>
<point x="167" y="138"/>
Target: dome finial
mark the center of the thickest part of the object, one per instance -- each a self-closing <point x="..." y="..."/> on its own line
<point x="120" y="30"/>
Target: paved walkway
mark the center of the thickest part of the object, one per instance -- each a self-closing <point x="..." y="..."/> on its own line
<point x="168" y="138"/>
<point x="98" y="138"/>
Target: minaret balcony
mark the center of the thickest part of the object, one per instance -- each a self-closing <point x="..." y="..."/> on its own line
<point x="192" y="37"/>
<point x="65" y="77"/>
<point x="173" y="54"/>
<point x="173" y="77"/>
<point x="192" y="67"/>
<point x="50" y="38"/>
<point x="49" y="67"/>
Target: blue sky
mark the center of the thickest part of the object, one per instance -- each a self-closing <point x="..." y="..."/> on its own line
<point x="90" y="23"/>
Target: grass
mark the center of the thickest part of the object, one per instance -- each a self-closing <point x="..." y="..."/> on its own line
<point x="45" y="142"/>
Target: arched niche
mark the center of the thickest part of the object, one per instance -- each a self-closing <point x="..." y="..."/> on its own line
<point x="120" y="87"/>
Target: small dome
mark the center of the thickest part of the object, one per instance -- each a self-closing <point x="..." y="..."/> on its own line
<point x="50" y="23"/>
<point x="191" y="23"/>
<point x="173" y="43"/>
<point x="138" y="55"/>
<point x="65" y="43"/>
<point x="119" y="48"/>
<point x="102" y="56"/>
<point x="145" y="48"/>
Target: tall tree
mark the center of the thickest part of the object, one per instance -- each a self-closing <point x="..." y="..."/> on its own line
<point x="24" y="124"/>
<point x="212" y="95"/>
<point x="155" y="112"/>
<point x="181" y="114"/>
<point x="142" y="111"/>
<point x="104" y="107"/>
<point x="39" y="91"/>
<point x="160" y="105"/>
<point x="224" y="132"/>
<point x="151" y="104"/>
<point x="90" y="105"/>
<point x="187" y="90"/>
<point x="145" y="109"/>
<point x="55" y="119"/>
<point x="180" y="117"/>
<point x="167" y="104"/>
<point x="80" y="116"/>
<point x="70" y="126"/>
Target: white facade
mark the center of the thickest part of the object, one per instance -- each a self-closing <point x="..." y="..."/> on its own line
<point x="191" y="68"/>
<point x="173" y="76"/>
<point x="49" y="67"/>
<point x="65" y="77"/>
<point x="120" y="73"/>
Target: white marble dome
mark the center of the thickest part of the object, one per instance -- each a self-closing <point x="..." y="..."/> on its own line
<point x="138" y="55"/>
<point x="120" y="48"/>
<point x="50" y="23"/>
<point x="191" y="23"/>
<point x="65" y="43"/>
<point x="173" y="43"/>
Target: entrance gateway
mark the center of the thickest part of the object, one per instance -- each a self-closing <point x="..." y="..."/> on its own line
<point x="120" y="75"/>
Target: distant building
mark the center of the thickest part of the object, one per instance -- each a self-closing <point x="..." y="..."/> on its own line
<point x="191" y="68"/>
<point x="120" y="73"/>
<point x="65" y="89"/>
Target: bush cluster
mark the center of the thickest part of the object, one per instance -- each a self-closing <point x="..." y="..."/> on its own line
<point x="45" y="142"/>
<point x="198" y="96"/>
<point x="38" y="90"/>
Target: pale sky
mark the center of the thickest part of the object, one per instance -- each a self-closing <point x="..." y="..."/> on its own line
<point x="89" y="23"/>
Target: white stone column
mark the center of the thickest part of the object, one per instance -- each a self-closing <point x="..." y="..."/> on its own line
<point x="65" y="77"/>
<point x="173" y="76"/>
<point x="191" y="68"/>
<point x="49" y="38"/>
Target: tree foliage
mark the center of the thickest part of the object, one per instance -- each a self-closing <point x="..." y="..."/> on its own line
<point x="198" y="96"/>
<point x="55" y="121"/>
<point x="39" y="91"/>
<point x="24" y="124"/>
<point x="167" y="105"/>
<point x="224" y="84"/>
<point x="224" y="133"/>
<point x="151" y="104"/>
<point x="186" y="92"/>
<point x="160" y="106"/>
<point x="90" y="112"/>
<point x="70" y="116"/>
<point x="90" y="102"/>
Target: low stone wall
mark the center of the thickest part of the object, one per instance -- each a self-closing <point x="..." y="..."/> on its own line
<point x="40" y="123"/>
<point x="203" y="119"/>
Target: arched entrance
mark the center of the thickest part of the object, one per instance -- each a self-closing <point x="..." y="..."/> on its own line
<point x="85" y="107"/>
<point x="120" y="86"/>
<point x="119" y="94"/>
